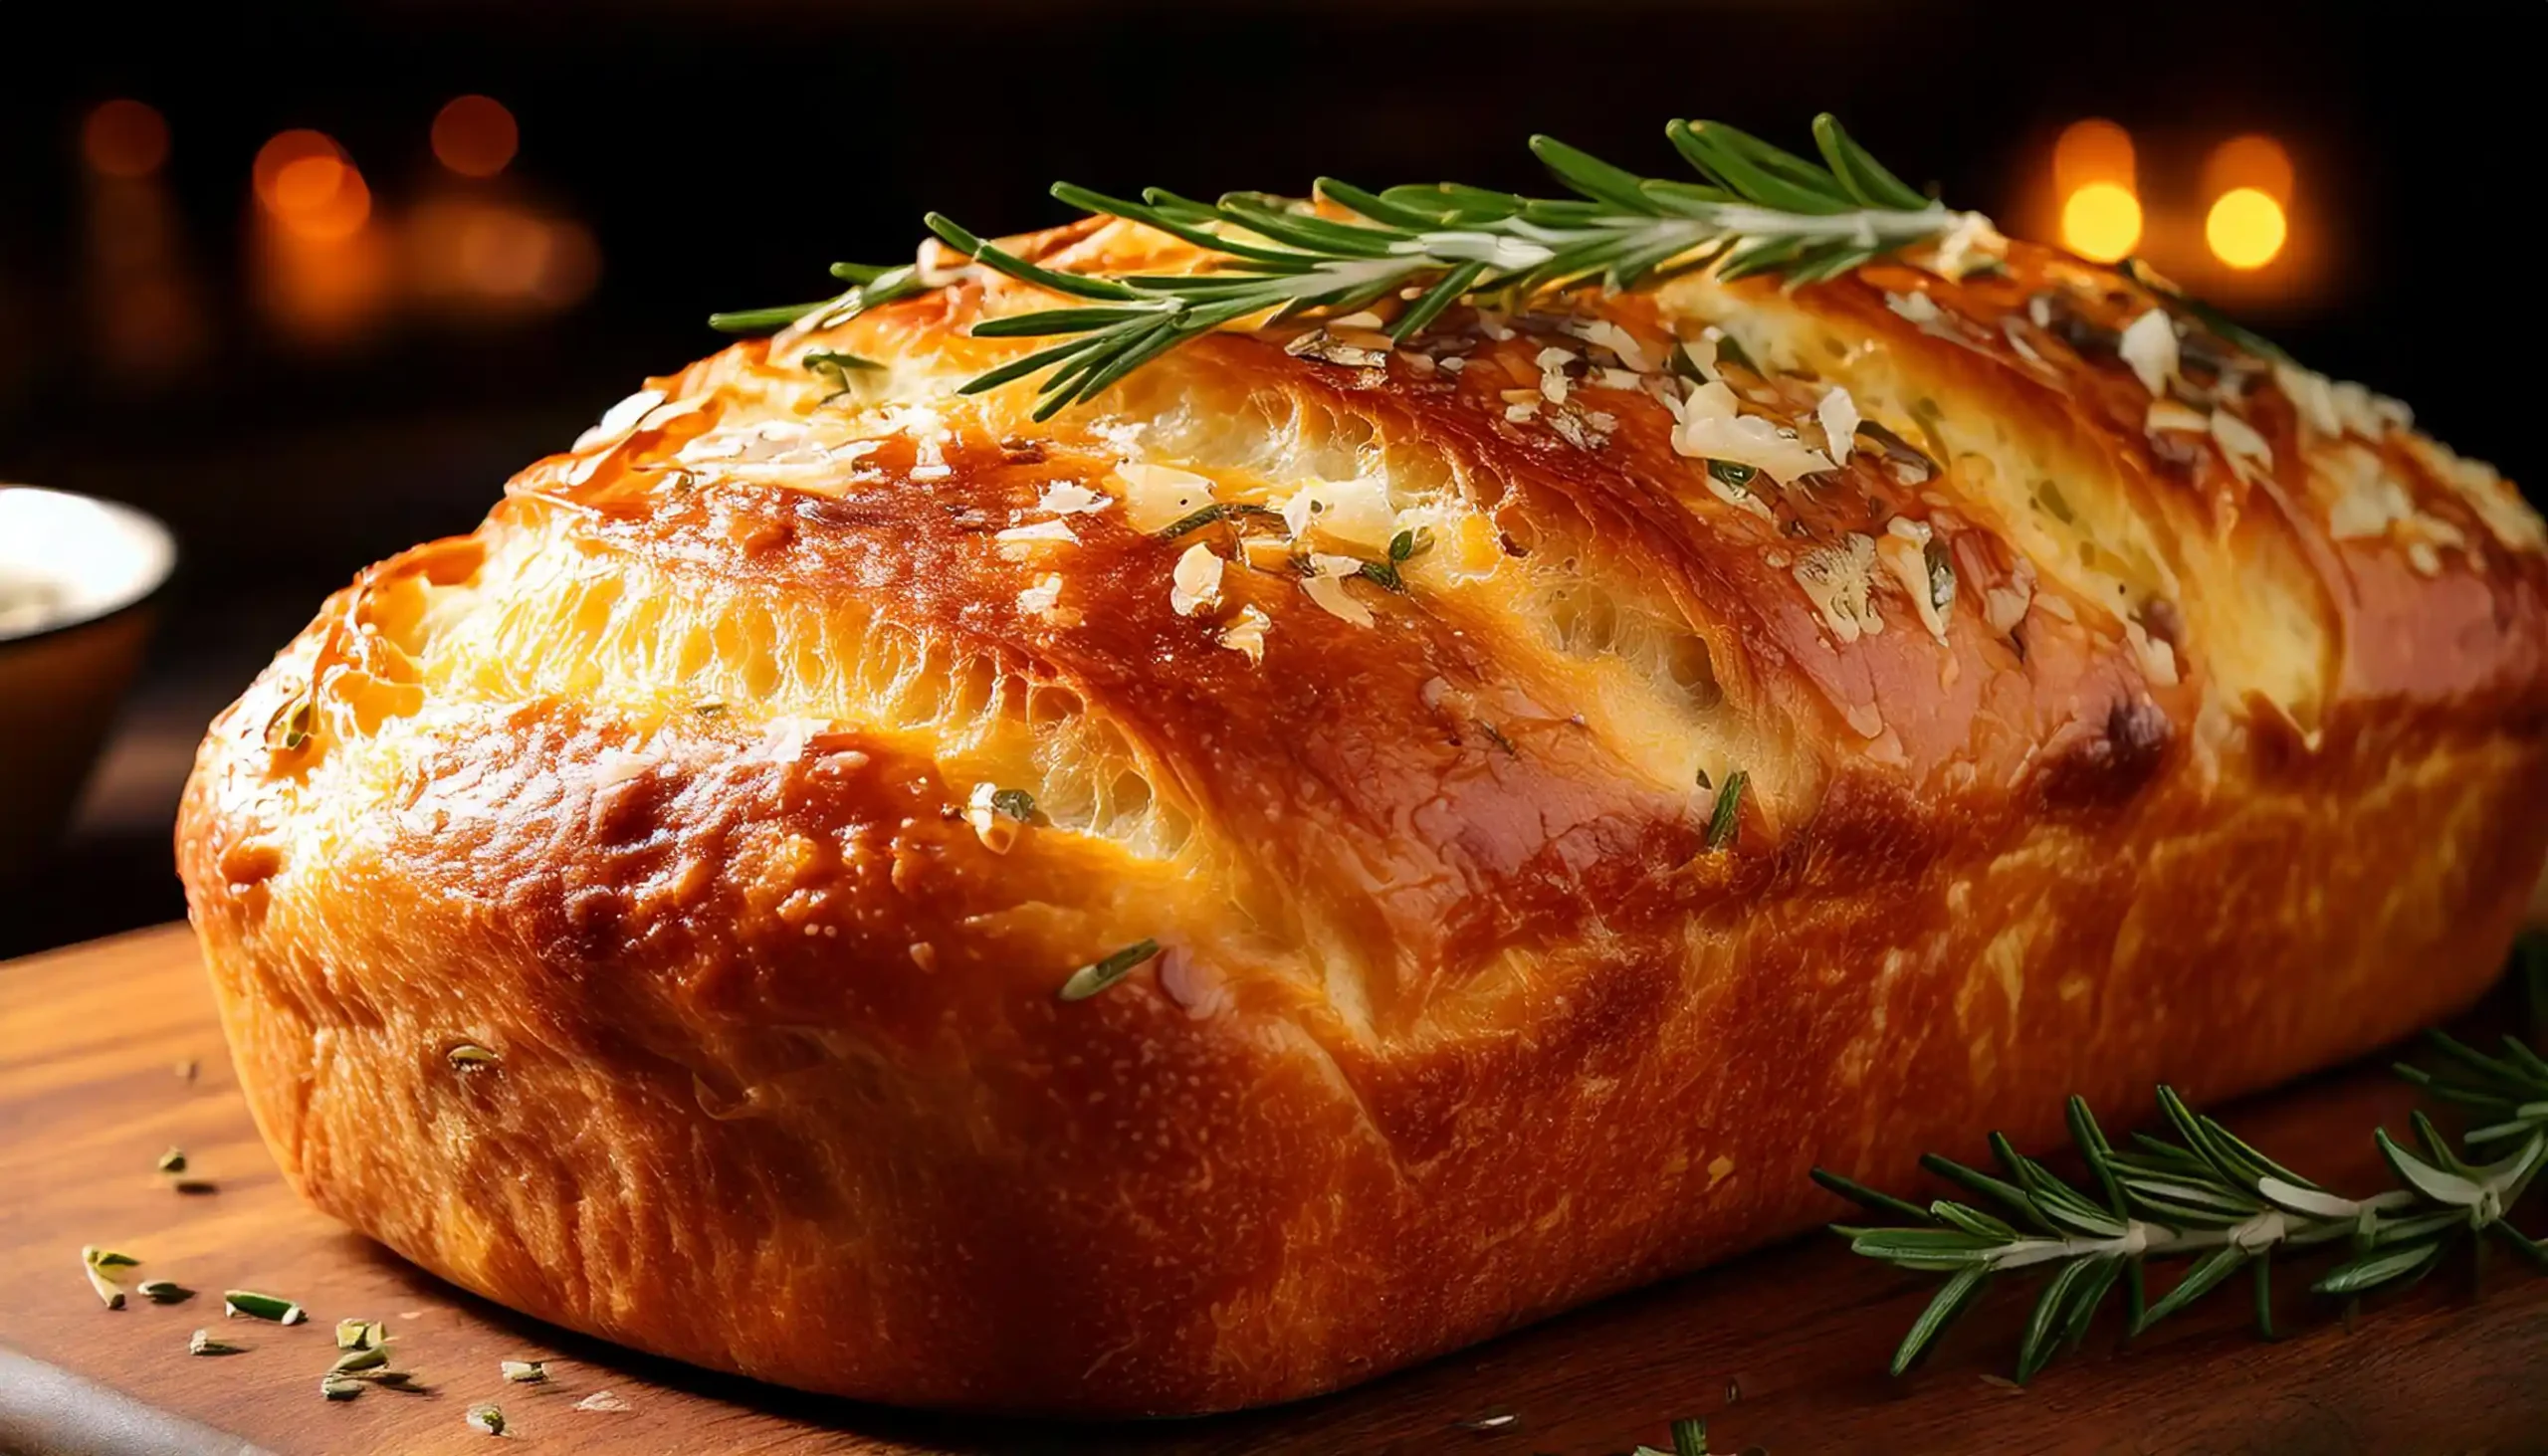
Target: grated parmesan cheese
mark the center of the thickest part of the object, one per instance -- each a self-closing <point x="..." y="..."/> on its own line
<point x="1016" y="542"/>
<point x="1247" y="633"/>
<point x="1708" y="427"/>
<point x="2312" y="396"/>
<point x="2168" y="414"/>
<point x="1602" y="334"/>
<point x="1040" y="599"/>
<point x="1325" y="586"/>
<point x="1838" y="416"/>
<point x="2485" y="492"/>
<point x="1971" y="244"/>
<point x="1156" y="496"/>
<point x="2158" y="658"/>
<point x="997" y="832"/>
<point x="1197" y="582"/>
<point x="1905" y="554"/>
<point x="1840" y="580"/>
<point x="620" y="418"/>
<point x="2149" y="345"/>
<point x="1070" y="498"/>
<point x="1352" y="512"/>
<point x="1552" y="381"/>
<point x="2241" y="445"/>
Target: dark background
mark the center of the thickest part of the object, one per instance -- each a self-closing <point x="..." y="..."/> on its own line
<point x="721" y="154"/>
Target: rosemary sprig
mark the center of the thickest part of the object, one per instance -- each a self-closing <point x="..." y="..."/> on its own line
<point x="1760" y="210"/>
<point x="2202" y="1193"/>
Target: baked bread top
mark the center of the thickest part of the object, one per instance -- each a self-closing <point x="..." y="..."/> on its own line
<point x="1370" y="684"/>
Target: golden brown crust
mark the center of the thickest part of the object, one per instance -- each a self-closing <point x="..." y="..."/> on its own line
<point x="2087" y="747"/>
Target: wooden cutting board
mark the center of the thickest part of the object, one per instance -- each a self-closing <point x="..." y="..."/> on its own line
<point x="1783" y="1352"/>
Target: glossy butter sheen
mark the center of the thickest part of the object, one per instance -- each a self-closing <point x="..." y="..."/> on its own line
<point x="666" y="786"/>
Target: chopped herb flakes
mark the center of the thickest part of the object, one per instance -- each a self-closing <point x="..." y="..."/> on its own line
<point x="835" y="360"/>
<point x="1726" y="817"/>
<point x="94" y="1262"/>
<point x="173" y="1161"/>
<point x="524" y="1372"/>
<point x="163" y="1291"/>
<point x="487" y="1418"/>
<point x="202" y="1342"/>
<point x="289" y="727"/>
<point x="359" y="1334"/>
<point x="1088" y="980"/>
<point x="364" y="1358"/>
<point x="1194" y="521"/>
<point x="1015" y="803"/>
<point x="469" y="1055"/>
<point x="255" y="1306"/>
<point x="1733" y="473"/>
<point x="337" y="1388"/>
<point x="1941" y="564"/>
<point x="1496" y="736"/>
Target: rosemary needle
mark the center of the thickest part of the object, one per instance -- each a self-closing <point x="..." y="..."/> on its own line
<point x="1757" y="210"/>
<point x="2202" y="1194"/>
<point x="1089" y="979"/>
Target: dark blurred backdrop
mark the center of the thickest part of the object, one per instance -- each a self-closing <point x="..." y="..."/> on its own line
<point x="303" y="369"/>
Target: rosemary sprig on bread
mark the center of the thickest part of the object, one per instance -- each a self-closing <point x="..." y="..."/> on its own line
<point x="1760" y="210"/>
<point x="2205" y="1195"/>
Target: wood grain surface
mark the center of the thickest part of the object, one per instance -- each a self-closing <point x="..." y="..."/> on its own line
<point x="1783" y="1352"/>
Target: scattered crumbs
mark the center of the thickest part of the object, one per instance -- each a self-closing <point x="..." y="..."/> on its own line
<point x="601" y="1400"/>
<point x="1493" y="1420"/>
<point x="2004" y="1384"/>
<point x="1733" y="1391"/>
<point x="187" y="1069"/>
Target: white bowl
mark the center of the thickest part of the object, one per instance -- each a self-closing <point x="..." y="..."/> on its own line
<point x="76" y="577"/>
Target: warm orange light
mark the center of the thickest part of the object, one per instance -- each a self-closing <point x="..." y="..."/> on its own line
<point x="475" y="136"/>
<point x="2245" y="228"/>
<point x="124" y="139"/>
<point x="306" y="182"/>
<point x="2101" y="221"/>
<point x="2094" y="150"/>
<point x="2248" y="161"/>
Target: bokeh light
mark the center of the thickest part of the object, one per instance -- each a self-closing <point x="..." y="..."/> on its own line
<point x="309" y="187"/>
<point x="2101" y="221"/>
<point x="124" y="139"/>
<point x="475" y="136"/>
<point x="2094" y="150"/>
<point x="2248" y="161"/>
<point x="2093" y="173"/>
<point x="2245" y="228"/>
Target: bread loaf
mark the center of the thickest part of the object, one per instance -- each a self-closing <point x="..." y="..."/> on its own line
<point x="1502" y="807"/>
